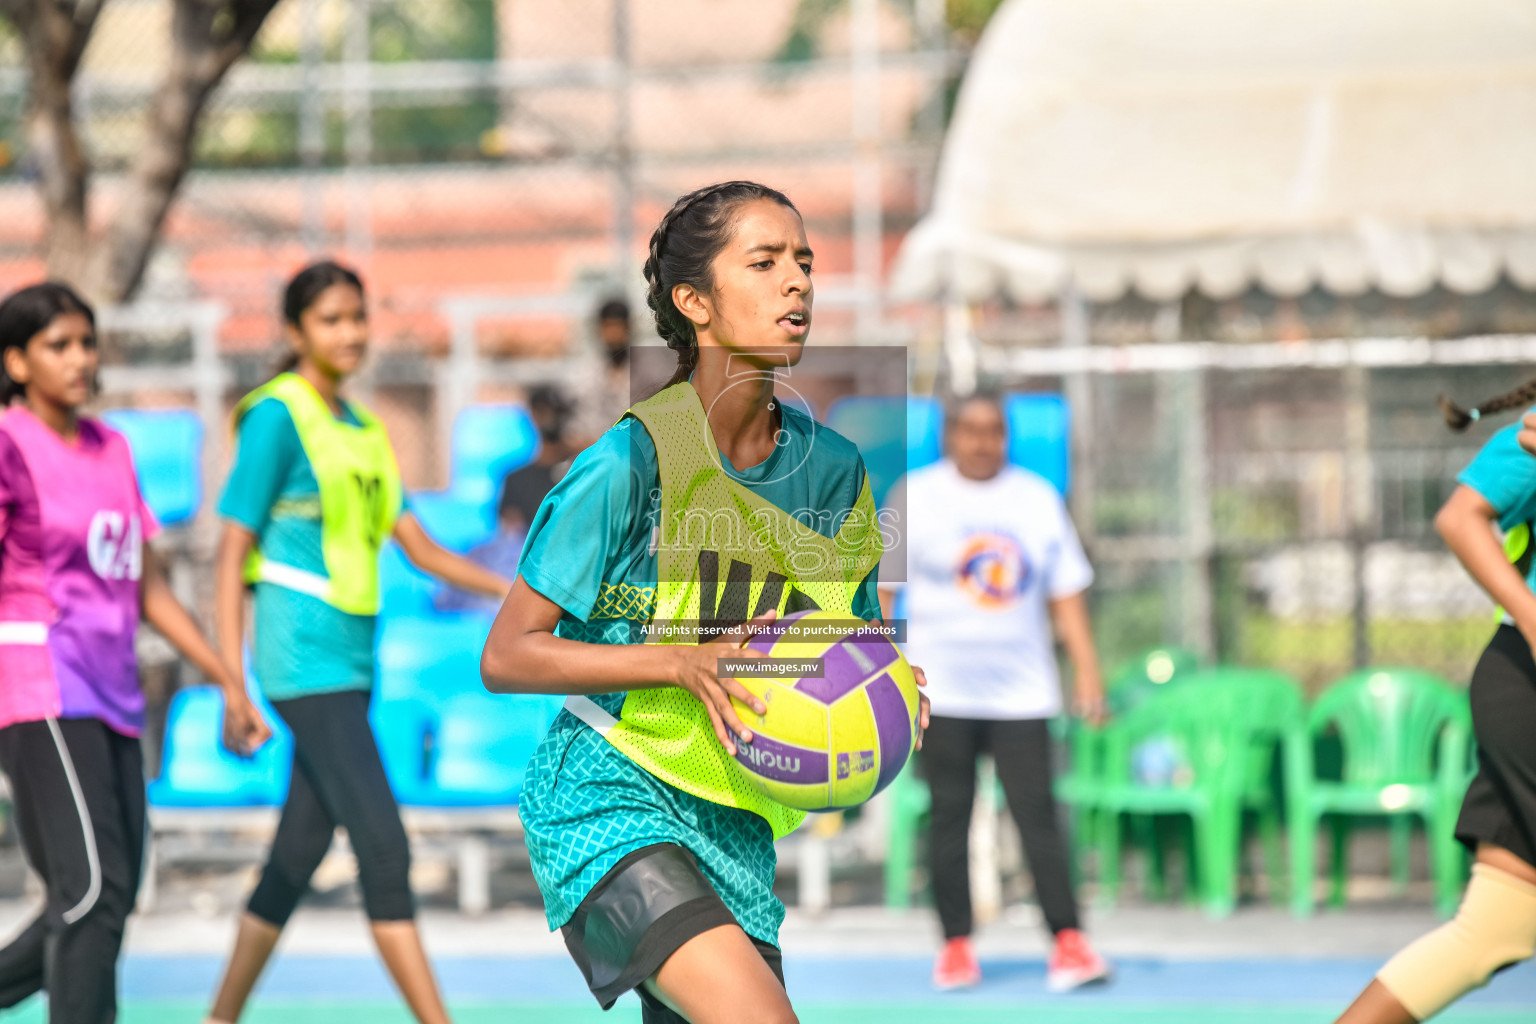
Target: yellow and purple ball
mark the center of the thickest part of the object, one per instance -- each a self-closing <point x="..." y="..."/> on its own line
<point x="832" y="740"/>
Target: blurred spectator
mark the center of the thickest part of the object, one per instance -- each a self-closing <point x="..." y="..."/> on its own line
<point x="992" y="559"/>
<point x="607" y="392"/>
<point x="521" y="493"/>
<point x="552" y="412"/>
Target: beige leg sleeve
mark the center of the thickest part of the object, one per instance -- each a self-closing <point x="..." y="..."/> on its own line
<point x="1495" y="927"/>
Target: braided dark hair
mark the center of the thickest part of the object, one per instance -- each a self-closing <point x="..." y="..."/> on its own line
<point x="26" y="314"/>
<point x="683" y="249"/>
<point x="1459" y="419"/>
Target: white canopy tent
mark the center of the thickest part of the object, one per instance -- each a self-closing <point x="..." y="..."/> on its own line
<point x="1159" y="145"/>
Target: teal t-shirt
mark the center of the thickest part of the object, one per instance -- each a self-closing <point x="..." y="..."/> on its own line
<point x="1505" y="474"/>
<point x="585" y="805"/>
<point x="302" y="645"/>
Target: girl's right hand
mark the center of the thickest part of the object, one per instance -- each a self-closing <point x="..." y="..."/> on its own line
<point x="245" y="731"/>
<point x="698" y="672"/>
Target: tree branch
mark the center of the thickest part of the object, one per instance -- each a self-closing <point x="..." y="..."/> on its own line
<point x="55" y="35"/>
<point x="209" y="36"/>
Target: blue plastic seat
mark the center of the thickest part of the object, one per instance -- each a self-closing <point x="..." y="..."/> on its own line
<point x="894" y="434"/>
<point x="197" y="771"/>
<point x="455" y="522"/>
<point x="925" y="431"/>
<point x="1039" y="436"/>
<point x="405" y="732"/>
<point x="430" y="657"/>
<point x="489" y="441"/>
<point x="404" y="590"/>
<point x="482" y="746"/>
<point x="167" y="446"/>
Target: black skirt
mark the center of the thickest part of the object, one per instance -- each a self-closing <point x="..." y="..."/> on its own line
<point x="1500" y="806"/>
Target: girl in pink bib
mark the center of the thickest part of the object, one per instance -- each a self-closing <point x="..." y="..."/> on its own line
<point x="75" y="577"/>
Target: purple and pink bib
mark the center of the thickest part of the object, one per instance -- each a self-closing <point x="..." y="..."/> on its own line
<point x="72" y="529"/>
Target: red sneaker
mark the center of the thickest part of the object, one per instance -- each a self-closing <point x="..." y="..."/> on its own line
<point x="956" y="966"/>
<point x="1074" y="963"/>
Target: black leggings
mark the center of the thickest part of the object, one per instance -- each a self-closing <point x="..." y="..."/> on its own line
<point x="1022" y="750"/>
<point x="78" y="791"/>
<point x="338" y="779"/>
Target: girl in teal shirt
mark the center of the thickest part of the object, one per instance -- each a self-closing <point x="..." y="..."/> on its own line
<point x="313" y="659"/>
<point x="654" y="888"/>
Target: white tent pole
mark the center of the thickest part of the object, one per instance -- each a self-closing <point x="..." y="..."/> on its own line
<point x="1072" y="312"/>
<point x="1189" y="391"/>
<point x="959" y="347"/>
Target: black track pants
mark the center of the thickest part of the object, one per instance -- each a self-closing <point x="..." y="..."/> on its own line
<point x="1022" y="750"/>
<point x="78" y="791"/>
<point x="338" y="779"/>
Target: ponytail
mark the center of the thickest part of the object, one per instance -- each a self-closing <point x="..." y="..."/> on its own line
<point x="1459" y="419"/>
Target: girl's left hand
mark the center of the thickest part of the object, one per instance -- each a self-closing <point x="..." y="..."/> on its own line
<point x="245" y="731"/>
<point x="1527" y="435"/>
<point x="922" y="705"/>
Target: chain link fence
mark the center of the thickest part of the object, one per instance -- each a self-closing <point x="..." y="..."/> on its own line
<point x="494" y="166"/>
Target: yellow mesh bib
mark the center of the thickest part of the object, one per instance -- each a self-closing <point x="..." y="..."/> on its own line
<point x="713" y="530"/>
<point x="360" y="497"/>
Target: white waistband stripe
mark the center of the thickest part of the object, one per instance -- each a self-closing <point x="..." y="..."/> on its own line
<point x="289" y="578"/>
<point x="589" y="711"/>
<point x="24" y="634"/>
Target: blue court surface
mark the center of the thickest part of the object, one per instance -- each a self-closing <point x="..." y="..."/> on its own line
<point x="545" y="990"/>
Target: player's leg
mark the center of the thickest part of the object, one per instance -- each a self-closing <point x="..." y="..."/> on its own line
<point x="1495" y="926"/>
<point x="336" y="746"/>
<point x="654" y="924"/>
<point x="1022" y="750"/>
<point x="718" y="977"/>
<point x="304" y="833"/>
<point x="948" y="762"/>
<point x="72" y="815"/>
<point x="36" y="790"/>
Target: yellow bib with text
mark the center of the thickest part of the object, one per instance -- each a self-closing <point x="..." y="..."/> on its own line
<point x="715" y="529"/>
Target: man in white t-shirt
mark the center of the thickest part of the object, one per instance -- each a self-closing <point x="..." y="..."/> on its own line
<point x="991" y="561"/>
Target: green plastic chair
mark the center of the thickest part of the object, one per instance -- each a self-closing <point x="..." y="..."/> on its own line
<point x="1225" y="725"/>
<point x="1129" y="684"/>
<point x="1133" y="680"/>
<point x="907" y="803"/>
<point x="1406" y="738"/>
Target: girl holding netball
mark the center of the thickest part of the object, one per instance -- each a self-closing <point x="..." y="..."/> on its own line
<point x="654" y="857"/>
<point x="313" y="493"/>
<point x="75" y="577"/>
<point x="1495" y="927"/>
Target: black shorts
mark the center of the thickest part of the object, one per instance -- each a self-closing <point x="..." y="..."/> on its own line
<point x="1500" y="806"/>
<point x="638" y="915"/>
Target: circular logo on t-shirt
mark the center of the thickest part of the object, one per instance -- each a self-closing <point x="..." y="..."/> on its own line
<point x="113" y="544"/>
<point x="992" y="569"/>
